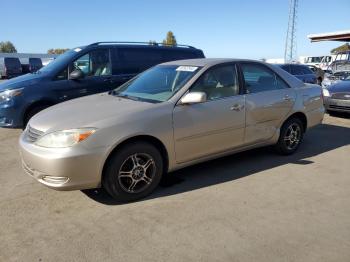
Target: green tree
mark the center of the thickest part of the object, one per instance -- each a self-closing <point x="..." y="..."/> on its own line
<point x="345" y="47"/>
<point x="7" y="47"/>
<point x="170" y="39"/>
<point x="57" y="51"/>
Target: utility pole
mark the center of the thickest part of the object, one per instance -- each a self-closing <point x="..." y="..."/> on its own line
<point x="290" y="50"/>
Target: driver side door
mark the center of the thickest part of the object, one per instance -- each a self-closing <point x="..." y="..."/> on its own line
<point x="216" y="125"/>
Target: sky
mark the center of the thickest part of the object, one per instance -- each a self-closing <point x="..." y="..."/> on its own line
<point x="222" y="28"/>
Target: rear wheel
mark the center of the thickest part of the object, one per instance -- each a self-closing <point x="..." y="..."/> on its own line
<point x="133" y="172"/>
<point x="291" y="136"/>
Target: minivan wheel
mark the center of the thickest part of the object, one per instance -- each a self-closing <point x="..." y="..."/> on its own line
<point x="133" y="172"/>
<point x="291" y="136"/>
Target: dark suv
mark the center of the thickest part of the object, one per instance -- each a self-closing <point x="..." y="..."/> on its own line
<point x="303" y="72"/>
<point x="82" y="71"/>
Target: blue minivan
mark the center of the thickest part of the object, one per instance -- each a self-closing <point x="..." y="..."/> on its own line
<point x="96" y="68"/>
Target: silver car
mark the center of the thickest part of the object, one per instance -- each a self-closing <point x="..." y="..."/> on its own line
<point x="173" y="115"/>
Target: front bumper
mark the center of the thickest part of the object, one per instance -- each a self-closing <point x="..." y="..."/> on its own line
<point x="338" y="105"/>
<point x="10" y="116"/>
<point x="63" y="168"/>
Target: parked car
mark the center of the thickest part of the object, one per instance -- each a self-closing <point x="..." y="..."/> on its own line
<point x="173" y="115"/>
<point x="32" y="65"/>
<point x="303" y="72"/>
<point x="95" y="68"/>
<point x="337" y="96"/>
<point x="319" y="73"/>
<point x="10" y="67"/>
<point x="340" y="70"/>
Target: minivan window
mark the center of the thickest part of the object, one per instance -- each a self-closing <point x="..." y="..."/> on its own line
<point x="306" y="70"/>
<point x="258" y="78"/>
<point x="135" y="60"/>
<point x="94" y="63"/>
<point x="157" y="84"/>
<point x="297" y="70"/>
<point x="59" y="62"/>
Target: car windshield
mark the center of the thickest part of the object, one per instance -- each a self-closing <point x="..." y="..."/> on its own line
<point x="157" y="84"/>
<point x="60" y="61"/>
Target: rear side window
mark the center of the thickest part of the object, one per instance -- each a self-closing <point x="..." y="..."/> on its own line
<point x="172" y="55"/>
<point x="297" y="70"/>
<point x="306" y="70"/>
<point x="136" y="60"/>
<point x="259" y="78"/>
<point x="286" y="68"/>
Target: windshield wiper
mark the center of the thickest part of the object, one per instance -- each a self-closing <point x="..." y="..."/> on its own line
<point x="114" y="93"/>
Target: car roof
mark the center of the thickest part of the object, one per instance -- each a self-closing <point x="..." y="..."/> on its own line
<point x="207" y="61"/>
<point x="292" y="64"/>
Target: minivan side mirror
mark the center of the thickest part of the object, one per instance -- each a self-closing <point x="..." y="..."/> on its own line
<point x="76" y="74"/>
<point x="193" y="98"/>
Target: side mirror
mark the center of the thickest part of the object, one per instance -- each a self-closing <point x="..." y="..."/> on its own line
<point x="76" y="74"/>
<point x="193" y="98"/>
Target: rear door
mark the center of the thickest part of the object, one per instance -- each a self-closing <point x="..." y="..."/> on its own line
<point x="216" y="125"/>
<point x="130" y="61"/>
<point x="268" y="100"/>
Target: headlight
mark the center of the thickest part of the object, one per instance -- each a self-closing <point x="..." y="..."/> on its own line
<point x="65" y="138"/>
<point x="8" y="94"/>
<point x="326" y="92"/>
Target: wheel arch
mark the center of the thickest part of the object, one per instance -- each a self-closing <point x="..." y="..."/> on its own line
<point x="34" y="104"/>
<point x="158" y="144"/>
<point x="301" y="116"/>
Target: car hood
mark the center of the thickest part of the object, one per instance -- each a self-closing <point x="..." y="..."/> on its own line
<point x="21" y="81"/>
<point x="340" y="87"/>
<point x="91" y="111"/>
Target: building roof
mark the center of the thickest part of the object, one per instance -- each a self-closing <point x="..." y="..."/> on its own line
<point x="343" y="36"/>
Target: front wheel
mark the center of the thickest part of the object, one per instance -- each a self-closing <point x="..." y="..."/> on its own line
<point x="133" y="172"/>
<point x="291" y="135"/>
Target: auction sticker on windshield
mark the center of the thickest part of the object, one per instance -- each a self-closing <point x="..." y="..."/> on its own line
<point x="187" y="68"/>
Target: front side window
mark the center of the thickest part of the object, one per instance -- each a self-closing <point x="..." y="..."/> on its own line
<point x="259" y="78"/>
<point x="63" y="75"/>
<point x="157" y="84"/>
<point x="218" y="82"/>
<point x="94" y="63"/>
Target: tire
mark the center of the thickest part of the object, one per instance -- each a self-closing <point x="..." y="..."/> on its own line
<point x="32" y="113"/>
<point x="126" y="177"/>
<point x="291" y="136"/>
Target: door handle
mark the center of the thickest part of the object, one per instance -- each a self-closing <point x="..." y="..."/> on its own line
<point x="237" y="107"/>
